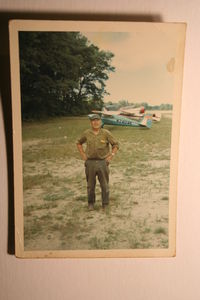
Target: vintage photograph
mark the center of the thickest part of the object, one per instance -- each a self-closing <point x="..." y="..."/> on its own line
<point x="96" y="120"/>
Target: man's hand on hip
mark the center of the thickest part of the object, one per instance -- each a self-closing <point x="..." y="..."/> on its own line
<point x="109" y="158"/>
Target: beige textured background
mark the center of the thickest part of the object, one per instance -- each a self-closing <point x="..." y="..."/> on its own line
<point x="140" y="279"/>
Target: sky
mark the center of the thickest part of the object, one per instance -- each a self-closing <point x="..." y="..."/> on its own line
<point x="144" y="64"/>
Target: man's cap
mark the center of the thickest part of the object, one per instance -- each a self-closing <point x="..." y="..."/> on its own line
<point x="94" y="117"/>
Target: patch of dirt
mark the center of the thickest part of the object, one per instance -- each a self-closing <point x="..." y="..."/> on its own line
<point x="136" y="210"/>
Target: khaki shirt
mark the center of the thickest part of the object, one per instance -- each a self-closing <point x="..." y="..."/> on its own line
<point x="97" y="146"/>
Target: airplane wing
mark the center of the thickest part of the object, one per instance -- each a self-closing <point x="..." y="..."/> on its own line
<point x="156" y="115"/>
<point x="133" y="111"/>
<point x="146" y="121"/>
<point x="106" y="112"/>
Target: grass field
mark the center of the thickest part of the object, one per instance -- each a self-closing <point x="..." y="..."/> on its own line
<point x="56" y="216"/>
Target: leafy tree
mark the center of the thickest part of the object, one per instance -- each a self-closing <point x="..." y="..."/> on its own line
<point x="61" y="73"/>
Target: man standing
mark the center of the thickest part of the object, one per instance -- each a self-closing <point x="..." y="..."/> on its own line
<point x="97" y="158"/>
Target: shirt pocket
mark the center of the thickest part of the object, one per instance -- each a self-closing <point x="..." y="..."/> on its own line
<point x="102" y="144"/>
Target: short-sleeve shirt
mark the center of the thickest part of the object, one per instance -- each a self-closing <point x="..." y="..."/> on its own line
<point x="97" y="146"/>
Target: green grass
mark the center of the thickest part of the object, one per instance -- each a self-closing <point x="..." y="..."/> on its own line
<point x="32" y="208"/>
<point x="147" y="230"/>
<point x="95" y="243"/>
<point x="56" y="139"/>
<point x="165" y="198"/>
<point x="160" y="230"/>
<point x="63" y="206"/>
<point x="58" y="196"/>
<point x="81" y="198"/>
<point x="31" y="181"/>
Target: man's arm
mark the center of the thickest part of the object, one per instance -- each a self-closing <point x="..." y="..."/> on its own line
<point x="81" y="151"/>
<point x="115" y="147"/>
<point x="112" y="154"/>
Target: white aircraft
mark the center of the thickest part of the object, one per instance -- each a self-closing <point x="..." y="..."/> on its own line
<point x="132" y="113"/>
<point x="116" y="118"/>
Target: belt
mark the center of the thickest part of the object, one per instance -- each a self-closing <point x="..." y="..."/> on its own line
<point x="96" y="159"/>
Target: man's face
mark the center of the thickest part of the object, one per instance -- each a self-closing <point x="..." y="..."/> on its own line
<point x="96" y="123"/>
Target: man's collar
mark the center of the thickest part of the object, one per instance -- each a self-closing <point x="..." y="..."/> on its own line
<point x="93" y="131"/>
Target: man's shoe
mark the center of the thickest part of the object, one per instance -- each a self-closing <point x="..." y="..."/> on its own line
<point x="91" y="206"/>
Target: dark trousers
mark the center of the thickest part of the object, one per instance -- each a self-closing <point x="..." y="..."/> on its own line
<point x="93" y="169"/>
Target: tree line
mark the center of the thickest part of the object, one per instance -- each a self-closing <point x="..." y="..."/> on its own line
<point x="61" y="73"/>
<point x="147" y="106"/>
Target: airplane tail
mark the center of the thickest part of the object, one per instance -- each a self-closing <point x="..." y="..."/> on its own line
<point x="157" y="116"/>
<point x="146" y="121"/>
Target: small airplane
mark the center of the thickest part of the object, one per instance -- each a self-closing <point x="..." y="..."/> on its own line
<point x="137" y="113"/>
<point x="133" y="113"/>
<point x="156" y="116"/>
<point x="114" y="118"/>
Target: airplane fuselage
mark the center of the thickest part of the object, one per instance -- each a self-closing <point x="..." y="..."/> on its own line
<point x="123" y="121"/>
